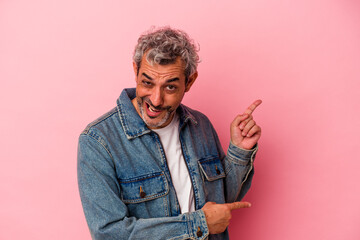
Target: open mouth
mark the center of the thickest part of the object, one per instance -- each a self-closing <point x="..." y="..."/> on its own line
<point x="151" y="108"/>
<point x="152" y="112"/>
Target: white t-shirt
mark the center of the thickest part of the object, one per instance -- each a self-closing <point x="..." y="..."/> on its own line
<point x="170" y="140"/>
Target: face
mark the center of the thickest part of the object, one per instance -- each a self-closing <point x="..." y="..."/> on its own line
<point x="159" y="91"/>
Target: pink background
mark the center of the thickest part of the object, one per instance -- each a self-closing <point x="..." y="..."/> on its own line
<point x="64" y="63"/>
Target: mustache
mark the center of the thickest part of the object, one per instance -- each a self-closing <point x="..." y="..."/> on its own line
<point x="157" y="108"/>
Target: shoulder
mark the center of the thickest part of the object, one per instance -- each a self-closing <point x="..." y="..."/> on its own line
<point x="103" y="122"/>
<point x="187" y="111"/>
<point x="195" y="115"/>
<point x="100" y="131"/>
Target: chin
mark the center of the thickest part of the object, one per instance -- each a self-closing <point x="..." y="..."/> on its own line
<point x="154" y="122"/>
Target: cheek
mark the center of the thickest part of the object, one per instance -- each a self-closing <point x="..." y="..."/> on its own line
<point x="141" y="92"/>
<point x="174" y="100"/>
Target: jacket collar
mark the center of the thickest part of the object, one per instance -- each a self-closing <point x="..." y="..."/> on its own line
<point x="133" y="124"/>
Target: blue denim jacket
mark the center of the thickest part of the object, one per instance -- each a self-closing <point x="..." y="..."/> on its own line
<point x="125" y="184"/>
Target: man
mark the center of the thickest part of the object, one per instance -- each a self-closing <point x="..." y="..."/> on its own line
<point x="152" y="168"/>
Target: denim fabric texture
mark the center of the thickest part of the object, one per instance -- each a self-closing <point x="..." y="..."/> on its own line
<point x="125" y="184"/>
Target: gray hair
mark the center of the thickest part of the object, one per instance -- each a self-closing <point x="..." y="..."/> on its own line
<point x="164" y="45"/>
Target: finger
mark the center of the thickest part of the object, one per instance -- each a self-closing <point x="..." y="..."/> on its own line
<point x="252" y="107"/>
<point x="255" y="130"/>
<point x="247" y="127"/>
<point x="239" y="118"/>
<point x="237" y="205"/>
<point x="244" y="122"/>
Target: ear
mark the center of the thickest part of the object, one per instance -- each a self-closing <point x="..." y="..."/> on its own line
<point x="191" y="81"/>
<point x="135" y="69"/>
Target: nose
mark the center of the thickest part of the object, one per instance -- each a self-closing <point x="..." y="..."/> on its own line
<point x="157" y="98"/>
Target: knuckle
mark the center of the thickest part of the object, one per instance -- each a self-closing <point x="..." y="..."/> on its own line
<point x="233" y="123"/>
<point x="227" y="208"/>
<point x="227" y="223"/>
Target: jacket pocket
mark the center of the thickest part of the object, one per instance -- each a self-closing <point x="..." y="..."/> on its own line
<point x="143" y="188"/>
<point x="212" y="168"/>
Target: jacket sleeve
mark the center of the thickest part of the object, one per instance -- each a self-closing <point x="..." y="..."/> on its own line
<point x="239" y="169"/>
<point x="107" y="216"/>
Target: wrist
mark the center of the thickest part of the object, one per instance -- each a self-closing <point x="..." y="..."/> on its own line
<point x="239" y="154"/>
<point x="243" y="147"/>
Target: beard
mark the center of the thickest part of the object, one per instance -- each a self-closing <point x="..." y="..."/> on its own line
<point x="144" y="116"/>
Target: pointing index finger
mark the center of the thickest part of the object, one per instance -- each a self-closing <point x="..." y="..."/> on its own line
<point x="237" y="205"/>
<point x="252" y="107"/>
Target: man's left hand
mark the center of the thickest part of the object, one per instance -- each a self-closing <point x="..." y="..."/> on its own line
<point x="243" y="130"/>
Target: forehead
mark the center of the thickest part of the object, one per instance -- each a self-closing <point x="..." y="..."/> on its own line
<point x="176" y="68"/>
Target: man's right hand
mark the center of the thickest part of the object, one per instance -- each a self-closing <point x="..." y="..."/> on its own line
<point x="218" y="215"/>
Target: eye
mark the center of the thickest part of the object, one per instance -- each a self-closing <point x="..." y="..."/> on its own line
<point x="146" y="83"/>
<point x="171" y="87"/>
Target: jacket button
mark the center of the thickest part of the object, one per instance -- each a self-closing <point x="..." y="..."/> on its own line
<point x="199" y="232"/>
<point x="217" y="170"/>
<point x="142" y="193"/>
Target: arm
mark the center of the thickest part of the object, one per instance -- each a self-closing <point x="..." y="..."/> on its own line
<point x="239" y="162"/>
<point x="239" y="172"/>
<point x="107" y="216"/>
<point x="239" y="168"/>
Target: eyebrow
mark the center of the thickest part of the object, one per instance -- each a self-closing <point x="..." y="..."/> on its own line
<point x="172" y="80"/>
<point x="147" y="76"/>
<point x="168" y="81"/>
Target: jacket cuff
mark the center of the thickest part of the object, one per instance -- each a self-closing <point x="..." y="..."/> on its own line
<point x="240" y="155"/>
<point x="197" y="225"/>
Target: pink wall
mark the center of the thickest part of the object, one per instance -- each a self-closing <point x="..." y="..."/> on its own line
<point x="63" y="63"/>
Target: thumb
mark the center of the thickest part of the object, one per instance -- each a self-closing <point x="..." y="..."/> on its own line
<point x="238" y="119"/>
<point x="208" y="204"/>
<point x="237" y="205"/>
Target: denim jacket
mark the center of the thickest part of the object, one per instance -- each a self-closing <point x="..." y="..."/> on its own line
<point x="125" y="184"/>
